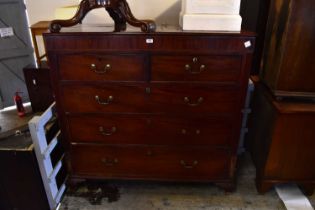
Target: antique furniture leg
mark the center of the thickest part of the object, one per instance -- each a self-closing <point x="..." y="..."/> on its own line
<point x="118" y="10"/>
<point x="83" y="9"/>
<point x="228" y="187"/>
<point x="263" y="186"/>
<point x="308" y="189"/>
<point x="120" y="22"/>
<point x="146" y="25"/>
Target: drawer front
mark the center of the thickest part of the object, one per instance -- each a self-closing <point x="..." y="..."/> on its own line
<point x="150" y="162"/>
<point x="102" y="67"/>
<point x="150" y="130"/>
<point x="106" y="99"/>
<point x="193" y="99"/>
<point x="196" y="68"/>
<point x="181" y="99"/>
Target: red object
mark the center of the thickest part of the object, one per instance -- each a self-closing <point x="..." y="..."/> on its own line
<point x="19" y="104"/>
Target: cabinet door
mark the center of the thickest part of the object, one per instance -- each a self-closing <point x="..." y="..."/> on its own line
<point x="22" y="181"/>
<point x="4" y="200"/>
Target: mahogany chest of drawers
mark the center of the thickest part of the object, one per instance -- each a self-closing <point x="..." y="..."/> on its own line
<point x="151" y="106"/>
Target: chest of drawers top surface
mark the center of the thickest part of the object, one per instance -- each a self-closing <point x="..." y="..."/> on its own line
<point x="164" y="39"/>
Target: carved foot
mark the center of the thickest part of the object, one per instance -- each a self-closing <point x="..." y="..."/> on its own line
<point x="228" y="187"/>
<point x="74" y="182"/>
<point x="148" y="26"/>
<point x="308" y="189"/>
<point x="263" y="187"/>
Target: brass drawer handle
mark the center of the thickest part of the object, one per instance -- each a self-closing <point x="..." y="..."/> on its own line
<point x="188" y="67"/>
<point x="188" y="102"/>
<point x="201" y="69"/>
<point x="109" y="162"/>
<point x="184" y="131"/>
<point x="185" y="165"/>
<point x="107" y="133"/>
<point x="105" y="70"/>
<point x="107" y="102"/>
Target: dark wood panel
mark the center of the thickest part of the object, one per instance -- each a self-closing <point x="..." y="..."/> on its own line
<point x="281" y="135"/>
<point x="102" y="67"/>
<point x="116" y="98"/>
<point x="196" y="68"/>
<point x="153" y="130"/>
<point x="193" y="99"/>
<point x="39" y="87"/>
<point x="124" y="42"/>
<point x="289" y="66"/>
<point x="154" y="98"/>
<point x="154" y="162"/>
<point x="21" y="181"/>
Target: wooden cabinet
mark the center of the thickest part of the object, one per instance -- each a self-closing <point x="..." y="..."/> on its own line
<point x="38" y="86"/>
<point x="288" y="61"/>
<point x="155" y="106"/>
<point x="21" y="185"/>
<point x="281" y="138"/>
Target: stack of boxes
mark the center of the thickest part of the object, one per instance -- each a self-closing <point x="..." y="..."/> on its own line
<point x="217" y="15"/>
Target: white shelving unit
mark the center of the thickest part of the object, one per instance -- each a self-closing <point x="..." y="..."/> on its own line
<point x="44" y="147"/>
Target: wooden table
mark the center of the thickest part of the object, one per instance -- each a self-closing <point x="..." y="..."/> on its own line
<point x="38" y="29"/>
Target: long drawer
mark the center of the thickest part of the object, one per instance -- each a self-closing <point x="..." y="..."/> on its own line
<point x="150" y="130"/>
<point x="209" y="68"/>
<point x="185" y="163"/>
<point x="150" y="98"/>
<point x="102" y="67"/>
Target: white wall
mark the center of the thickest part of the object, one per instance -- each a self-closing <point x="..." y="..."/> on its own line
<point x="162" y="11"/>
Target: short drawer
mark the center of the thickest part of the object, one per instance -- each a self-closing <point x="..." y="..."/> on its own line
<point x="98" y="67"/>
<point x="104" y="98"/>
<point x="150" y="162"/>
<point x="196" y="68"/>
<point x="150" y="130"/>
<point x="192" y="99"/>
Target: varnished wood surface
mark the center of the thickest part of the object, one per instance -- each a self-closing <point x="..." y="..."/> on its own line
<point x="150" y="98"/>
<point x="152" y="107"/>
<point x="282" y="142"/>
<point x="195" y="68"/>
<point x="150" y="162"/>
<point x="289" y="64"/>
<point x="103" y="67"/>
<point x="161" y="29"/>
<point x="150" y="130"/>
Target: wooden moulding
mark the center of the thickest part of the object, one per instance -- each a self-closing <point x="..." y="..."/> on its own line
<point x="119" y="10"/>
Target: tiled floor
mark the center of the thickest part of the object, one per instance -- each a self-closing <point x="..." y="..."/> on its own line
<point x="173" y="196"/>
